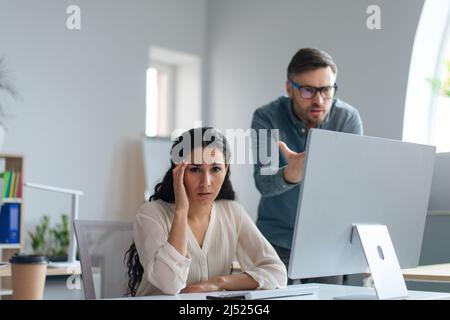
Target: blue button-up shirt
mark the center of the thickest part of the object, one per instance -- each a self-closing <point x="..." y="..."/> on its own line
<point x="278" y="205"/>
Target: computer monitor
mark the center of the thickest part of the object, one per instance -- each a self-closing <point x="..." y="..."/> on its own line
<point x="439" y="197"/>
<point x="156" y="152"/>
<point x="438" y="222"/>
<point x="366" y="181"/>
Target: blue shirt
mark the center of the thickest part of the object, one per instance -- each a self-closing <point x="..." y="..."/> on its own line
<point x="278" y="205"/>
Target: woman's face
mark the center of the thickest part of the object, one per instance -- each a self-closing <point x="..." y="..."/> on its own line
<point x="204" y="175"/>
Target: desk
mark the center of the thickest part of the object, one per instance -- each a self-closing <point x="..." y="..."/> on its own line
<point x="325" y="292"/>
<point x="6" y="271"/>
<point x="430" y="273"/>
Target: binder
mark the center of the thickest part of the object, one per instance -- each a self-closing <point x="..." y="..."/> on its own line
<point x="6" y="183"/>
<point x="13" y="181"/>
<point x="9" y="223"/>
<point x="2" y="185"/>
<point x="19" y="187"/>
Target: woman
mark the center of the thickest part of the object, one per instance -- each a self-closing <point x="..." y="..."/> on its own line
<point x="189" y="233"/>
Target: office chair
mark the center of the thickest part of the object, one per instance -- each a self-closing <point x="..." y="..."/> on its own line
<point x="102" y="246"/>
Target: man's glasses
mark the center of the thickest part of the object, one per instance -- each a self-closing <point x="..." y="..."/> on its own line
<point x="308" y="92"/>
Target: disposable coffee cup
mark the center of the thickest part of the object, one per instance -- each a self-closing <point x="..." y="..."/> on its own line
<point x="28" y="276"/>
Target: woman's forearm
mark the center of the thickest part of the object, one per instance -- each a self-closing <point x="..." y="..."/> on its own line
<point x="236" y="282"/>
<point x="177" y="235"/>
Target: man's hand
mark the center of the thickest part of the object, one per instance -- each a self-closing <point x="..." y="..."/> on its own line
<point x="293" y="173"/>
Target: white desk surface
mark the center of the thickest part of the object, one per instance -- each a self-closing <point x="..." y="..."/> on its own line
<point x="325" y="292"/>
<point x="432" y="273"/>
<point x="5" y="271"/>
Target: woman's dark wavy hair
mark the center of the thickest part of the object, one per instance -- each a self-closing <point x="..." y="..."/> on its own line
<point x="192" y="139"/>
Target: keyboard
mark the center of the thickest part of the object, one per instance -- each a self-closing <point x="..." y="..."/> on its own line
<point x="290" y="291"/>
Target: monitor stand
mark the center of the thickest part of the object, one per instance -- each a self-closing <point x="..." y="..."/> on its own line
<point x="382" y="261"/>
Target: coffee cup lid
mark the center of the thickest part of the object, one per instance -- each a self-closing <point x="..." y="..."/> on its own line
<point x="25" y="258"/>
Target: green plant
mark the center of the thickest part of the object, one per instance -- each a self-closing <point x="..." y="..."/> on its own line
<point x="52" y="242"/>
<point x="441" y="87"/>
<point x="39" y="237"/>
<point x="5" y="86"/>
<point x="60" y="235"/>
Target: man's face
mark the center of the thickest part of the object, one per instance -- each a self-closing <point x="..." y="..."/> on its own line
<point x="311" y="111"/>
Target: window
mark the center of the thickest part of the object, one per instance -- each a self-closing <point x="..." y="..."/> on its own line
<point x="160" y="93"/>
<point x="440" y="132"/>
<point x="427" y="114"/>
<point x="173" y="92"/>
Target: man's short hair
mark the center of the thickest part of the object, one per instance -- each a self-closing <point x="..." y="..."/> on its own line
<point x="308" y="59"/>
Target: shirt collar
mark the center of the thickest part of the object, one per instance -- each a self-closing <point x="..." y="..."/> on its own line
<point x="297" y="122"/>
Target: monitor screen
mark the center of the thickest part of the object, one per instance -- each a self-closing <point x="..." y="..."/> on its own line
<point x="439" y="197"/>
<point x="438" y="223"/>
<point x="351" y="179"/>
<point x="156" y="152"/>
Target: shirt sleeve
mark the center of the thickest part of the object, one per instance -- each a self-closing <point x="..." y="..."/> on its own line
<point x="354" y="124"/>
<point x="164" y="266"/>
<point x="257" y="257"/>
<point x="269" y="179"/>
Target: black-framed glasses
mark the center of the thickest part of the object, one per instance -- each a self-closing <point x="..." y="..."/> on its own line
<point x="308" y="92"/>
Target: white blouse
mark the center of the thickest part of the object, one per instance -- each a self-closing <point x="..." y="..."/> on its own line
<point x="231" y="234"/>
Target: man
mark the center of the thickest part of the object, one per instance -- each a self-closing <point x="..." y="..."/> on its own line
<point x="310" y="103"/>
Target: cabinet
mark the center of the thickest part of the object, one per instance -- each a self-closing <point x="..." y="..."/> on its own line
<point x="12" y="170"/>
<point x="14" y="196"/>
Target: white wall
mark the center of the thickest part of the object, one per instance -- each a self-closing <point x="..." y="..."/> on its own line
<point x="252" y="41"/>
<point x="82" y="113"/>
<point x="188" y="94"/>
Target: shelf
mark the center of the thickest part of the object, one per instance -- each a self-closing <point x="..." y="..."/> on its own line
<point x="14" y="165"/>
<point x="10" y="246"/>
<point x="11" y="155"/>
<point x="439" y="213"/>
<point x="5" y="292"/>
<point x="12" y="200"/>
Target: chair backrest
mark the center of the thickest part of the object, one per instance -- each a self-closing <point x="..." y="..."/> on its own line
<point x="102" y="246"/>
